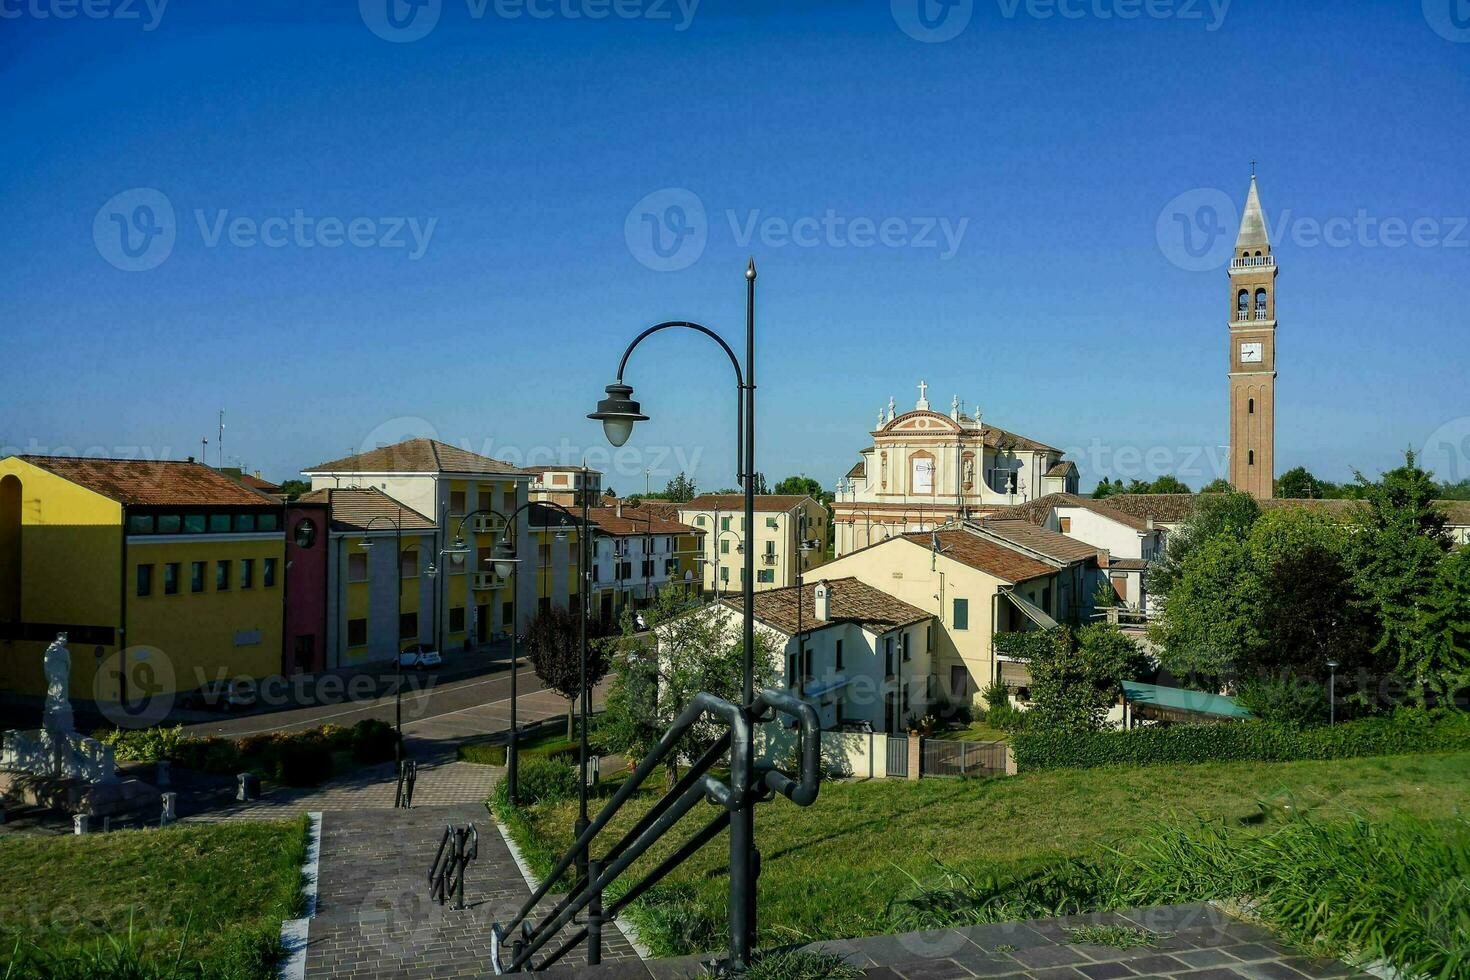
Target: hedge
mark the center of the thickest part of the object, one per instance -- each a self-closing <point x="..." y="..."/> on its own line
<point x="1408" y="730"/>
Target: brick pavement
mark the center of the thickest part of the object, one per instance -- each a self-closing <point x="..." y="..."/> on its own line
<point x="374" y="916"/>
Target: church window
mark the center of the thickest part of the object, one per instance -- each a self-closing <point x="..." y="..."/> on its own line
<point x="1250" y="457"/>
<point x="1243" y="301"/>
<point x="1250" y="406"/>
<point x="1260" y="303"/>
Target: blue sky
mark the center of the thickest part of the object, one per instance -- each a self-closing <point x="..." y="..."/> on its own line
<point x="1025" y="171"/>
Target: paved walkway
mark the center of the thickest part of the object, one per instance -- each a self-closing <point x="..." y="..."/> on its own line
<point x="374" y="916"/>
<point x="1194" y="942"/>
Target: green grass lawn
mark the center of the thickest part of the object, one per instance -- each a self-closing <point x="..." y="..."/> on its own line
<point x="190" y="895"/>
<point x="551" y="742"/>
<point x="976" y="732"/>
<point x="832" y="870"/>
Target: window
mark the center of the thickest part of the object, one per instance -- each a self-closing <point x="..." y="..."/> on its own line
<point x="725" y="574"/>
<point x="268" y="573"/>
<point x="903" y="643"/>
<point x="267" y="522"/>
<point x="597" y="573"/>
<point x="357" y="567"/>
<point x="145" y="580"/>
<point x="484" y="502"/>
<point x="244" y="522"/>
<point x="408" y="563"/>
<point x="247" y="573"/>
<point x="959" y="682"/>
<point x="408" y="625"/>
<point x="765" y="575"/>
<point x="456" y="619"/>
<point x="962" y="614"/>
<point x="196" y="576"/>
<point x="171" y="578"/>
<point x="887" y="656"/>
<point x="725" y="547"/>
<point x="305" y="533"/>
<point x="1066" y="523"/>
<point x="194" y="523"/>
<point x="772" y="522"/>
<point x="357" y="632"/>
<point x="1250" y="457"/>
<point x="837" y="656"/>
<point x="507" y="614"/>
<point x="169" y="523"/>
<point x="140" y="523"/>
<point x="219" y="523"/>
<point x="791" y="670"/>
<point x="1250" y="406"/>
<point x="724" y="524"/>
<point x="456" y="503"/>
<point x="221" y="576"/>
<point x="701" y="521"/>
<point x="1046" y="598"/>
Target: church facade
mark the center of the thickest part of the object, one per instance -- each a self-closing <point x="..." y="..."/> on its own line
<point x="927" y="468"/>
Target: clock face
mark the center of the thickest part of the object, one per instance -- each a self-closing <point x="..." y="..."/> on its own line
<point x="1251" y="353"/>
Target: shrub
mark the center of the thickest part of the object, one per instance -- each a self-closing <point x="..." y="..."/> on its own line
<point x="1408" y="730"/>
<point x="302" y="762"/>
<point x="372" y="740"/>
<point x="1285" y="700"/>
<point x="546" y="781"/>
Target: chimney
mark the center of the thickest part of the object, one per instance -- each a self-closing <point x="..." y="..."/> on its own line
<point x="618" y="508"/>
<point x="822" y="601"/>
<point x="1148" y="522"/>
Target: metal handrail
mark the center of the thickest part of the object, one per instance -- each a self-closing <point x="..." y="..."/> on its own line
<point x="408" y="774"/>
<point x="696" y="784"/>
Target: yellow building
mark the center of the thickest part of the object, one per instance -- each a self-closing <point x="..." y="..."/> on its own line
<point x="465" y="496"/>
<point x="790" y="534"/>
<point x="164" y="575"/>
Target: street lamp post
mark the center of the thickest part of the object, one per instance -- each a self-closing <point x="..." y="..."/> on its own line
<point x="1332" y="692"/>
<point x="618" y="412"/>
<point x="505" y="565"/>
<point x="367" y="544"/>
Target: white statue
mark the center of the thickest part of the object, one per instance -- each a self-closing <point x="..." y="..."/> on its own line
<point x="57" y="665"/>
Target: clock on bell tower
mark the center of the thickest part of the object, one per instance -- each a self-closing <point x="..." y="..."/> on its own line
<point x="1253" y="354"/>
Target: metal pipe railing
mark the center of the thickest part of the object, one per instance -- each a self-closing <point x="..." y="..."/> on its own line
<point x="695" y="785"/>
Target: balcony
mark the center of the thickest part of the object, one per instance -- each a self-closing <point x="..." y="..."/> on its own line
<point x="487" y="581"/>
<point x="768" y="559"/>
<point x="1246" y="316"/>
<point x="1253" y="262"/>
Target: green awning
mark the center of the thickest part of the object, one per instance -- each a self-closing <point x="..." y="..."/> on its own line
<point x="1181" y="700"/>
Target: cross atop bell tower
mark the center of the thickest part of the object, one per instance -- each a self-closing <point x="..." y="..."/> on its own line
<point x="1253" y="352"/>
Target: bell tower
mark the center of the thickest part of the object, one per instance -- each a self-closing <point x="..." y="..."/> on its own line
<point x="1253" y="354"/>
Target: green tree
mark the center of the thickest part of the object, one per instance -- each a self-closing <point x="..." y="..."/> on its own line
<point x="1218" y="485"/>
<point x="1396" y="551"/>
<point x="1211" y="612"/>
<point x="1169" y="484"/>
<point x="801" y="484"/>
<point x="1439" y="664"/>
<point x="1106" y="488"/>
<point x="1217" y="515"/>
<point x="1078" y="677"/>
<point x="553" y="646"/>
<point x="291" y="489"/>
<point x="696" y="649"/>
<point x="1298" y="483"/>
<point x="681" y="489"/>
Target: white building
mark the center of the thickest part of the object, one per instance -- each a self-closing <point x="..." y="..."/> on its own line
<point x="926" y="469"/>
<point x="789" y="537"/>
<point x="867" y="654"/>
<point x="636" y="554"/>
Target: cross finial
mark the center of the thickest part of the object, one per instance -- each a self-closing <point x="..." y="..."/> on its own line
<point x="923" y="401"/>
<point x="1253" y="170"/>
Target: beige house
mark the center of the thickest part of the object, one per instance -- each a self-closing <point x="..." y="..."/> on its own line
<point x="789" y="537"/>
<point x="926" y="468"/>
<point x="566" y="485"/>
<point x="977" y="580"/>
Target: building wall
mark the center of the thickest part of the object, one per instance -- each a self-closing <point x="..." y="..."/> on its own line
<point x="775" y="534"/>
<point x="307" y="582"/>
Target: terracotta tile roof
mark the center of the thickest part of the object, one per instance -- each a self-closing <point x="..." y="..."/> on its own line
<point x="850" y="601"/>
<point x="998" y="438"/>
<point x="1061" y="468"/>
<point x="982" y="554"/>
<point x="634" y="520"/>
<point x="732" y="502"/>
<point x="367" y="508"/>
<point x="153" y="483"/>
<point x="659" y="508"/>
<point x="1128" y="564"/>
<point x="420" y="456"/>
<point x="256" y="483"/>
<point x="1164" y="508"/>
<point x="1458" y="511"/>
<point x="563" y="469"/>
<point x="1036" y="511"/>
<point x="1052" y="544"/>
<point x="860" y="468"/>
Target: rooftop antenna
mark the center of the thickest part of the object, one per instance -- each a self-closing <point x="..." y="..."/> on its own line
<point x="204" y="450"/>
<point x="221" y="438"/>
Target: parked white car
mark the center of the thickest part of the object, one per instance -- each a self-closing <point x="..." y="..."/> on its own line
<point x="420" y="656"/>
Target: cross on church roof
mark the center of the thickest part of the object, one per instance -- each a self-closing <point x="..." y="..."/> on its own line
<point x="923" y="401"/>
